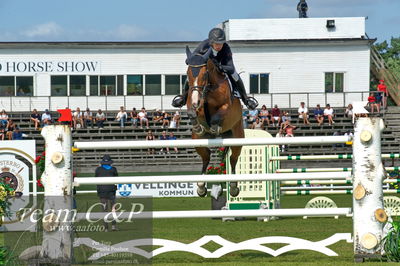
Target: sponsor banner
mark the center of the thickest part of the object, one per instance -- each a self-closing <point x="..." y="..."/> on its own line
<point x="157" y="190"/>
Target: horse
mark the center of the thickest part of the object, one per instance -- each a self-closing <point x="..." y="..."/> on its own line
<point x="213" y="111"/>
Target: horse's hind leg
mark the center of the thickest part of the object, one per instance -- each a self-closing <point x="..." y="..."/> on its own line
<point x="205" y="156"/>
<point x="233" y="186"/>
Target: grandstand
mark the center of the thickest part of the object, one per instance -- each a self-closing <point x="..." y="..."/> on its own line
<point x="140" y="161"/>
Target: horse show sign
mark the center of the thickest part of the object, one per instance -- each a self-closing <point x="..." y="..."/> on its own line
<point x="158" y="190"/>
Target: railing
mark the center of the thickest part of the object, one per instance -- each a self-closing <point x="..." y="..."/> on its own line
<point x="112" y="103"/>
<point x="381" y="70"/>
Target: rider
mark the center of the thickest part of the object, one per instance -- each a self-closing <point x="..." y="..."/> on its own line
<point x="222" y="56"/>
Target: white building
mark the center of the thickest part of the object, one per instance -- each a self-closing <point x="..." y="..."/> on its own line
<point x="283" y="61"/>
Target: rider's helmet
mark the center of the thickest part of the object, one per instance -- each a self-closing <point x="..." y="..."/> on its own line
<point x="217" y="35"/>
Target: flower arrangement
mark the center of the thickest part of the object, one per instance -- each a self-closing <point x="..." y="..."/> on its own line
<point x="221" y="168"/>
<point x="40" y="162"/>
<point x="6" y="192"/>
<point x="391" y="242"/>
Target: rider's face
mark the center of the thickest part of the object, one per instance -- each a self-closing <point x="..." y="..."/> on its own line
<point x="217" y="46"/>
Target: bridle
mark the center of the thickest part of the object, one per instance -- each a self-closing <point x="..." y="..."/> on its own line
<point x="202" y="90"/>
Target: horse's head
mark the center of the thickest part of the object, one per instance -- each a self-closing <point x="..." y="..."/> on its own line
<point x="197" y="77"/>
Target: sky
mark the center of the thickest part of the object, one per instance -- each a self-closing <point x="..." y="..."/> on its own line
<point x="171" y="20"/>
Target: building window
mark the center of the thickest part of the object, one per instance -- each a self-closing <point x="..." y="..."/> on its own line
<point x="77" y="85"/>
<point x="24" y="86"/>
<point x="120" y="85"/>
<point x="334" y="82"/>
<point x="153" y="84"/>
<point x="134" y="85"/>
<point x="259" y="83"/>
<point x="107" y="85"/>
<point x="7" y="86"/>
<point x="59" y="86"/>
<point x="94" y="85"/>
<point x="172" y="84"/>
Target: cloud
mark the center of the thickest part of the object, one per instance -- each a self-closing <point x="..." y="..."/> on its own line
<point x="50" y="29"/>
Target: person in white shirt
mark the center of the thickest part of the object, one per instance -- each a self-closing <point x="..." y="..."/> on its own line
<point x="122" y="116"/>
<point x="303" y="113"/>
<point x="88" y="118"/>
<point x="78" y="118"/>
<point x="328" y="112"/>
<point x="143" y="118"/>
<point x="46" y="118"/>
<point x="100" y="118"/>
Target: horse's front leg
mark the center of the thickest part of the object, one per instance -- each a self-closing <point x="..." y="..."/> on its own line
<point x="197" y="128"/>
<point x="217" y="120"/>
<point x="205" y="154"/>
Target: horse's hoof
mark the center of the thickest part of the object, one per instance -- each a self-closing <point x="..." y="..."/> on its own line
<point x="202" y="191"/>
<point x="198" y="130"/>
<point x="234" y="191"/>
<point x="216" y="130"/>
<point x="201" y="184"/>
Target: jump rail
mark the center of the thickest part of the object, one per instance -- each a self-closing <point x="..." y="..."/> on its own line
<point x="326" y="157"/>
<point x="204" y="178"/>
<point x="193" y="143"/>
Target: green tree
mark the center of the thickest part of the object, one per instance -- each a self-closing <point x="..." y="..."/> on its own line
<point x="391" y="54"/>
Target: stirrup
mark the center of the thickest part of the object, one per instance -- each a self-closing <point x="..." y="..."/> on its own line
<point x="178" y="101"/>
<point x="251" y="103"/>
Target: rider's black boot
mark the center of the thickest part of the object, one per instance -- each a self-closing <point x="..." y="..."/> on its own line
<point x="250" y="102"/>
<point x="180" y="100"/>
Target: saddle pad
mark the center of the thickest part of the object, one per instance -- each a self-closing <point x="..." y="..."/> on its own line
<point x="235" y="93"/>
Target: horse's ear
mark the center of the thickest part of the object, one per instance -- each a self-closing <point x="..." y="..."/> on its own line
<point x="206" y="56"/>
<point x="188" y="52"/>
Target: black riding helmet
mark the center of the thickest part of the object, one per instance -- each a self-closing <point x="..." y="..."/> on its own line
<point x="216" y="35"/>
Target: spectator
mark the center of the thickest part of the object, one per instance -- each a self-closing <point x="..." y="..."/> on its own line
<point x="349" y="111"/>
<point x="134" y="117"/>
<point x="303" y="113"/>
<point x="164" y="137"/>
<point x="280" y="134"/>
<point x="285" y="117"/>
<point x="349" y="133"/>
<point x="264" y="114"/>
<point x="10" y="129"/>
<point x="157" y="117"/>
<point x="276" y="116"/>
<point x="378" y="97"/>
<point x="253" y="114"/>
<point x="172" y="137"/>
<point x="257" y="124"/>
<point x="122" y="117"/>
<point x="143" y="118"/>
<point x="107" y="193"/>
<point x="100" y="118"/>
<point x="35" y="118"/>
<point x="165" y="119"/>
<point x="288" y="129"/>
<point x="328" y="112"/>
<point x="88" y="118"/>
<point x="319" y="115"/>
<point x="2" y="133"/>
<point x="46" y="118"/>
<point x="150" y="136"/>
<point x="17" y="134"/>
<point x="245" y="117"/>
<point x="176" y="120"/>
<point x="337" y="133"/>
<point x="382" y="88"/>
<point x="78" y="118"/>
<point x="4" y="118"/>
<point x="372" y="103"/>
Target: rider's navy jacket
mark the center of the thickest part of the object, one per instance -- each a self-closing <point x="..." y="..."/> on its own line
<point x="224" y="57"/>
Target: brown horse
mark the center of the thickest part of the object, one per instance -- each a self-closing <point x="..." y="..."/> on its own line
<point x="213" y="110"/>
